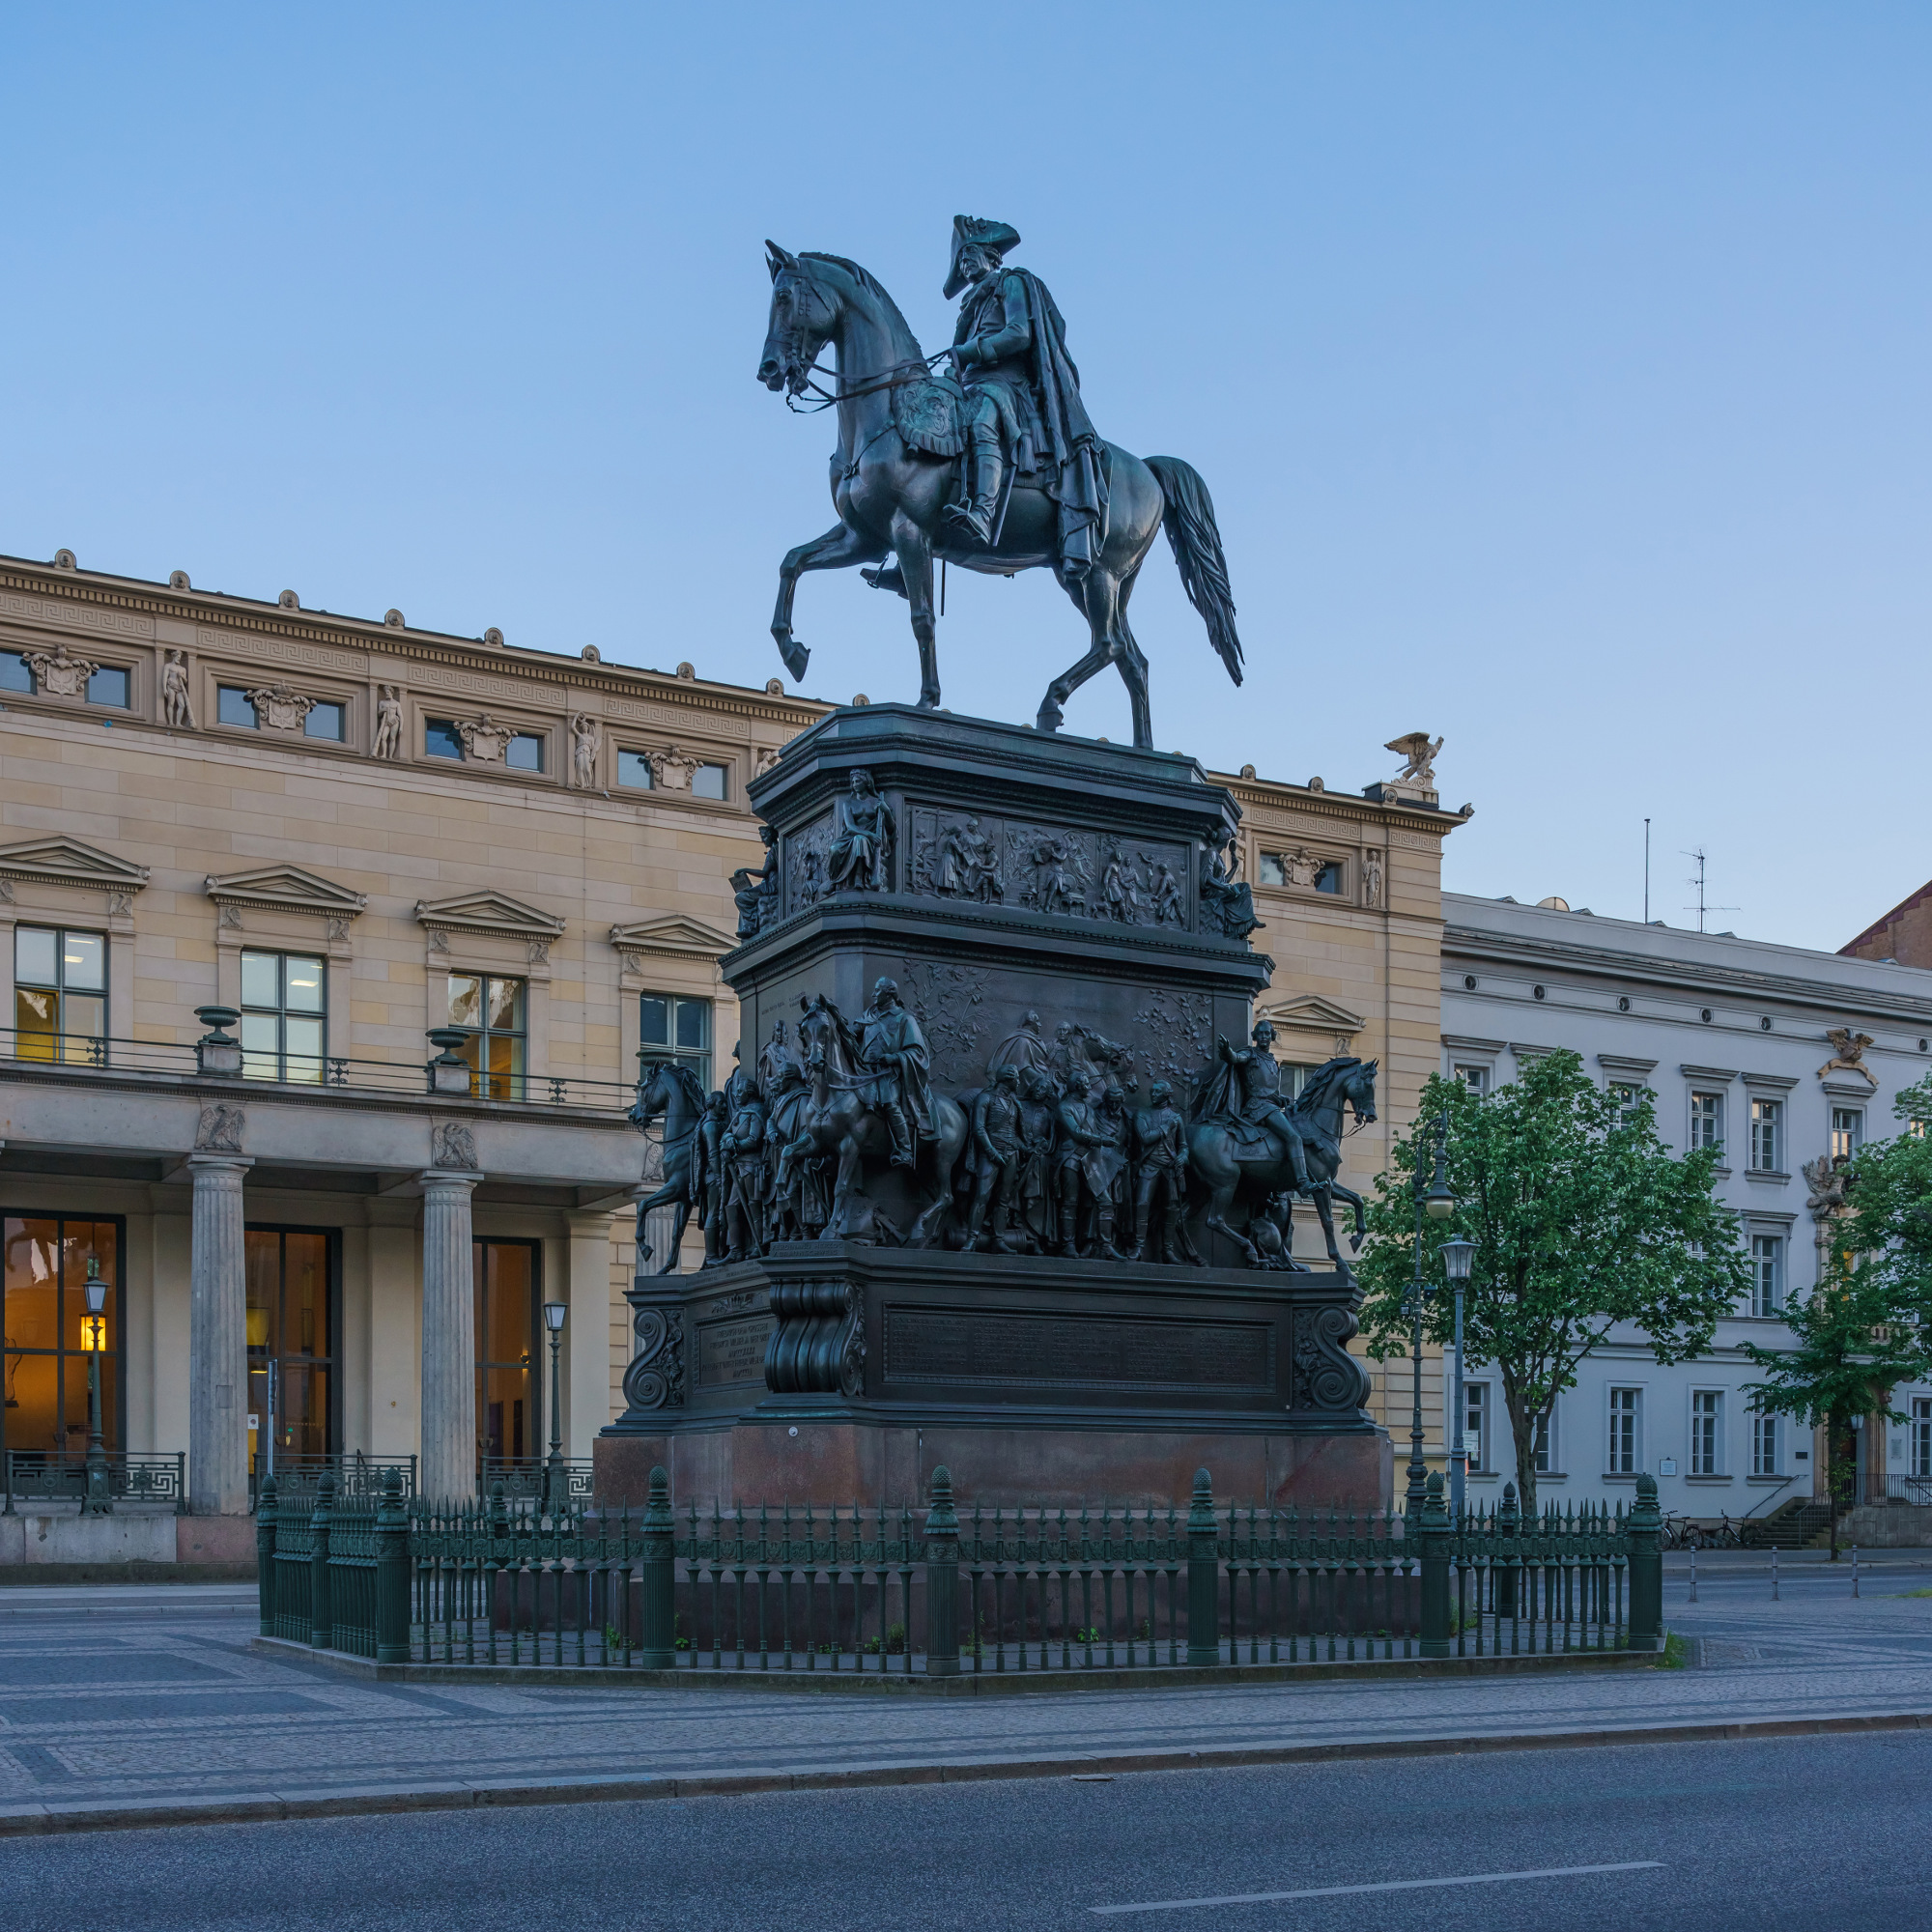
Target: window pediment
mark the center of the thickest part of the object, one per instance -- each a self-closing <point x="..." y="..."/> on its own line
<point x="672" y="935"/>
<point x="494" y="913"/>
<point x="67" y="862"/>
<point x="1311" y="1013"/>
<point x="285" y="889"/>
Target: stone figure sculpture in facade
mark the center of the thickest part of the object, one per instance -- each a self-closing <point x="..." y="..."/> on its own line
<point x="388" y="739"/>
<point x="995" y="468"/>
<point x="858" y="857"/>
<point x="586" y="739"/>
<point x="177" y="712"/>
<point x="1848" y="1053"/>
<point x="1418" y="751"/>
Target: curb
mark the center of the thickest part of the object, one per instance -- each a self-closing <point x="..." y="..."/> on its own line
<point x="970" y="1684"/>
<point x="44" y="1820"/>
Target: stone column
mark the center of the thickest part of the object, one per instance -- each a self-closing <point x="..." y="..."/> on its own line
<point x="447" y="1470"/>
<point x="218" y="1400"/>
<point x="587" y="1389"/>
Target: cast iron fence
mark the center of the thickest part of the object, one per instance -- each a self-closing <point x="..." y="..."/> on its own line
<point x="59" y="1476"/>
<point x="783" y="1587"/>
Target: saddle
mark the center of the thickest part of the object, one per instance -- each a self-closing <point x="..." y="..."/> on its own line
<point x="928" y="415"/>
<point x="1250" y="1140"/>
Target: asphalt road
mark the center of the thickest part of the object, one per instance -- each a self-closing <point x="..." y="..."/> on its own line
<point x="1813" y="1832"/>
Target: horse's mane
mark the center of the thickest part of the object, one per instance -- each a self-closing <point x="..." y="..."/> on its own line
<point x="686" y="1081"/>
<point x="867" y="281"/>
<point x="1316" y="1088"/>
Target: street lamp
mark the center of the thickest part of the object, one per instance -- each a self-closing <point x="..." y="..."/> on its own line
<point x="97" y="1500"/>
<point x="1436" y="1200"/>
<point x="1457" y="1255"/>
<point x="554" y="1313"/>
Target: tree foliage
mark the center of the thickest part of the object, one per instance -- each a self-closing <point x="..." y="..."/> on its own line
<point x="1582" y="1219"/>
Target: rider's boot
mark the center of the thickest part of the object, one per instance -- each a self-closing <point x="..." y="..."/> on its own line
<point x="887" y="576"/>
<point x="989" y="467"/>
<point x="900" y="1131"/>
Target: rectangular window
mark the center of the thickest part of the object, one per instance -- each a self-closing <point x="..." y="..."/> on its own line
<point x="1293" y="1077"/>
<point x="441" y="739"/>
<point x="1544" y="1450"/>
<point x="1271" y="871"/>
<point x="492" y="1011"/>
<point x="60" y="995"/>
<point x="291" y="1283"/>
<point x="284" y="1016"/>
<point x="1476" y="1424"/>
<point x="231" y="707"/>
<point x="508" y="1394"/>
<point x="1628" y="1097"/>
<point x="708" y="781"/>
<point x="1767" y="1122"/>
<point x="1328" y="877"/>
<point x="109" y="685"/>
<point x="324" y="721"/>
<point x="1766" y="1255"/>
<point x="634" y="769"/>
<point x="13" y="672"/>
<point x="1764" y="1445"/>
<point x="1624" y="1446"/>
<point x="1707" y="1431"/>
<point x="45" y="1422"/>
<point x="524" y="753"/>
<point x="1921" y="1436"/>
<point x="1848" y="1130"/>
<point x="1707" y="1120"/>
<point x="1475" y="1078"/>
<point x="671" y="1027"/>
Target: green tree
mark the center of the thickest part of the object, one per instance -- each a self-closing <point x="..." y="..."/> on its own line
<point x="1583" y="1221"/>
<point x="1863" y="1328"/>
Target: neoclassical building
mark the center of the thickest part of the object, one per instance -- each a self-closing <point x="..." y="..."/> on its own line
<point x="355" y="834"/>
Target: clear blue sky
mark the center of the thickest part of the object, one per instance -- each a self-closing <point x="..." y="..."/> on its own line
<point x="1561" y="373"/>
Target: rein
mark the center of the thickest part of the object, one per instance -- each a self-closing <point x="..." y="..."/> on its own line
<point x="894" y="377"/>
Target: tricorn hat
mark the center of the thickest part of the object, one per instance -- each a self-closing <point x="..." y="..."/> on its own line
<point x="970" y="230"/>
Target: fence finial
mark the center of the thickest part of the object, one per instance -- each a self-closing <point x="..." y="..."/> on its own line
<point x="941" y="1516"/>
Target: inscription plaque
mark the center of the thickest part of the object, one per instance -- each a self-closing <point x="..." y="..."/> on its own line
<point x="732" y="1351"/>
<point x="1090" y="1351"/>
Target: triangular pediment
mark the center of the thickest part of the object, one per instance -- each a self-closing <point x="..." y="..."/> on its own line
<point x="489" y="912"/>
<point x="67" y="862"/>
<point x="672" y="933"/>
<point x="285" y="889"/>
<point x="1314" y="1015"/>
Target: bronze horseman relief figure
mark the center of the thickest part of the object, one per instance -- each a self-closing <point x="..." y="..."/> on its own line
<point x="993" y="467"/>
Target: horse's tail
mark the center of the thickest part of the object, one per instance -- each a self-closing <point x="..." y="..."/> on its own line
<point x="1189" y="521"/>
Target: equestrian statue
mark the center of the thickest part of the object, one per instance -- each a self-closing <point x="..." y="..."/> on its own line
<point x="992" y="465"/>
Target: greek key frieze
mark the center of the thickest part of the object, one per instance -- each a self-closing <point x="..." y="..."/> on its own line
<point x="76" y="616"/>
<point x="293" y="651"/>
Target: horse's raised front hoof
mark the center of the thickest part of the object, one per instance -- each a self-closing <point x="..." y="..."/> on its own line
<point x="795" y="655"/>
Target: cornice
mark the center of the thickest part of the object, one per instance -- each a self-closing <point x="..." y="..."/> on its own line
<point x="1269" y="794"/>
<point x="1474" y="942"/>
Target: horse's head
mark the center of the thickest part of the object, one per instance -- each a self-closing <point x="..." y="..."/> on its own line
<point x="1358" y="1088"/>
<point x="802" y="316"/>
<point x="660" y="1083"/>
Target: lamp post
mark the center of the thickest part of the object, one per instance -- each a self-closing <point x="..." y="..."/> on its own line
<point x="1457" y="1255"/>
<point x="97" y="1500"/>
<point x="1437" y="1203"/>
<point x="555" y="1483"/>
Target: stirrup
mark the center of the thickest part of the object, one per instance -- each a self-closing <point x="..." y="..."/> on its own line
<point x="887" y="576"/>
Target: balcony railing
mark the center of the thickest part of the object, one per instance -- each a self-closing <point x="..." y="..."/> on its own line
<point x="36" y="1476"/>
<point x="172" y="1060"/>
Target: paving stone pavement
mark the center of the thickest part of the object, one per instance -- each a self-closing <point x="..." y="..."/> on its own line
<point x="136" y="1697"/>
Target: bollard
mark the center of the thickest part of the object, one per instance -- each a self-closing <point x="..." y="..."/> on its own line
<point x="1643" y="1539"/>
<point x="1204" y="1574"/>
<point x="1694" y="1573"/>
<point x="942" y="1579"/>
<point x="392" y="1573"/>
<point x="1855" y="1569"/>
<point x="322" y="1630"/>
<point x="1435" y="1538"/>
<point x="1773" y="1573"/>
<point x="265" y="1556"/>
<point x="1509" y="1521"/>
<point x="657" y="1580"/>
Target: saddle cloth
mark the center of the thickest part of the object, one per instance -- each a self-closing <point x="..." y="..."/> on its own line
<point x="928" y="415"/>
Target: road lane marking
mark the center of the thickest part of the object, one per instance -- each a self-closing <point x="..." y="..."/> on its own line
<point x="1387" y="1885"/>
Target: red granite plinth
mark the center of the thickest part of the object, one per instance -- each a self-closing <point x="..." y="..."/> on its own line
<point x="847" y="1460"/>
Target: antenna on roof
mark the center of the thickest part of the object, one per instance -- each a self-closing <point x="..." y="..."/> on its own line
<point x="1646" y="871"/>
<point x="1700" y="908"/>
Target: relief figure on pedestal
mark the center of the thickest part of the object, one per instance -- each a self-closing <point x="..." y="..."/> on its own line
<point x="1160" y="1180"/>
<point x="754" y="890"/>
<point x="859" y="855"/>
<point x="1226" y="904"/>
<point x="993" y="1154"/>
<point x="666" y="1089"/>
<point x="743" y="1147"/>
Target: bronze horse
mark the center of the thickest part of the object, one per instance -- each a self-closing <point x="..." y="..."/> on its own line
<point x="890" y="494"/>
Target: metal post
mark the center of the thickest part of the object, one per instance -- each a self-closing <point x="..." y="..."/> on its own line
<point x="1436" y="1538"/>
<point x="392" y="1573"/>
<point x="1459" y="1455"/>
<point x="1643" y="1535"/>
<point x="657" y="1580"/>
<point x="555" y="1483"/>
<point x="1204" y="1574"/>
<point x="1855" y="1569"/>
<point x="942" y="1579"/>
<point x="322" y="1630"/>
<point x="265" y="1557"/>
<point x="1773" y="1573"/>
<point x="99" y="1500"/>
<point x="1509" y="1522"/>
<point x="1694" y="1573"/>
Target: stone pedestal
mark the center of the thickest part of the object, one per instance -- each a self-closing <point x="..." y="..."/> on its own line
<point x="218" y="1400"/>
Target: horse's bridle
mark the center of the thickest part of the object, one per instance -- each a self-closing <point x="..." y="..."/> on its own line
<point x="894" y="377"/>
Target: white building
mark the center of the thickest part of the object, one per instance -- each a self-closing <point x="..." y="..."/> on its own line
<point x="1731" y="1036"/>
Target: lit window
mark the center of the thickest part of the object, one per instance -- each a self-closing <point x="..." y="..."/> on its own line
<point x="1624" y="1411"/>
<point x="679" y="1029"/>
<point x="1707" y="1120"/>
<point x="1848" y="1130"/>
<point x="491" y="1012"/>
<point x="45" y="1260"/>
<point x="1765" y="1124"/>
<point x="524" y="753"/>
<point x="324" y="721"/>
<point x="1628" y="1097"/>
<point x="284" y="1016"/>
<point x="1328" y="877"/>
<point x="1475" y="1078"/>
<point x="231" y="707"/>
<point x="1764" y="1445"/>
<point x="289" y="1277"/>
<point x="109" y="685"/>
<point x="1476" y="1424"/>
<point x="1707" y="1431"/>
<point x="634" y="769"/>
<point x="441" y="739"/>
<point x="1271" y="870"/>
<point x="1767" y="1273"/>
<point x="509" y="1280"/>
<point x="60" y="995"/>
<point x="708" y="782"/>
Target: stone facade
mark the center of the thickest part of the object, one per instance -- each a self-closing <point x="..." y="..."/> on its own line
<point x="191" y="783"/>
